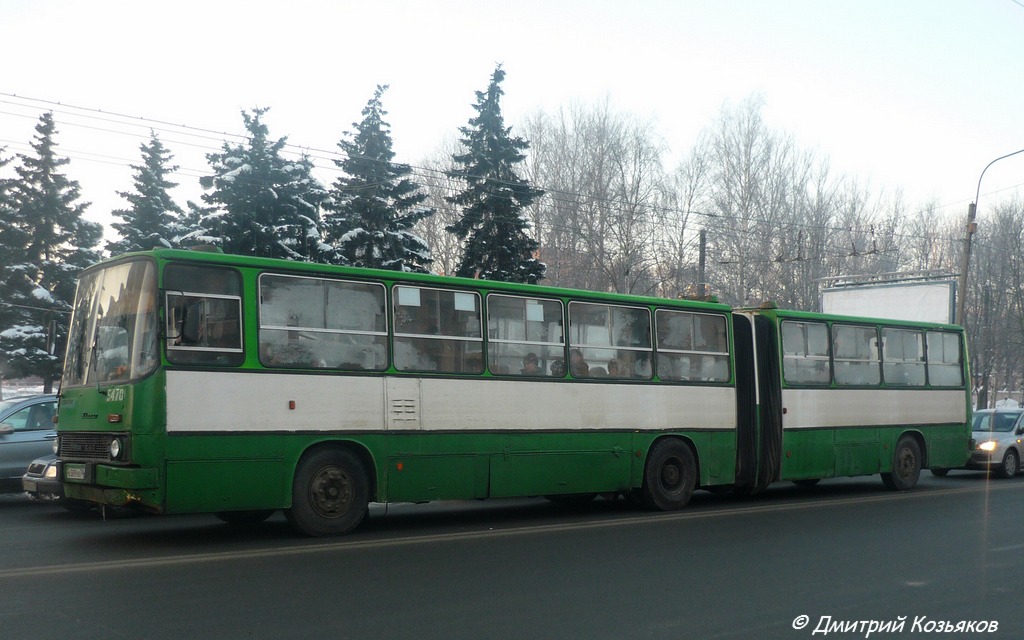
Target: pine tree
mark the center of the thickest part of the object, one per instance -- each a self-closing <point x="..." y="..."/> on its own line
<point x="262" y="204"/>
<point x="374" y="205"/>
<point x="50" y="243"/>
<point x="153" y="218"/>
<point x="12" y="241"/>
<point x="493" y="224"/>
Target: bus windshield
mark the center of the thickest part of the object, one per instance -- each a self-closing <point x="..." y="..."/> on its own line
<point x="113" y="334"/>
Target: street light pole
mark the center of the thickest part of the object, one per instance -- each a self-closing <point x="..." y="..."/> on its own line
<point x="972" y="227"/>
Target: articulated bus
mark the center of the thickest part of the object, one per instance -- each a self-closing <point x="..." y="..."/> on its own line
<point x="196" y="381"/>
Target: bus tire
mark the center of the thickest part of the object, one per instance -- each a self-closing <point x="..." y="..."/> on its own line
<point x="330" y="493"/>
<point x="670" y="475"/>
<point x="906" y="466"/>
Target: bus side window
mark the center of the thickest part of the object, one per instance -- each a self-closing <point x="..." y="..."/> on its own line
<point x="609" y="341"/>
<point x="319" y="323"/>
<point x="903" y="357"/>
<point x="855" y="355"/>
<point x="805" y="352"/>
<point x="945" y="365"/>
<point x="692" y="346"/>
<point x="204" y="315"/>
<point x="437" y="330"/>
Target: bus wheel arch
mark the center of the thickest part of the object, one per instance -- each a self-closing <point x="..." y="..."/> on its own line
<point x="331" y="490"/>
<point x="671" y="474"/>
<point x="908" y="458"/>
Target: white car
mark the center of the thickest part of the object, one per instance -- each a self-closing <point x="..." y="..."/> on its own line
<point x="996" y="436"/>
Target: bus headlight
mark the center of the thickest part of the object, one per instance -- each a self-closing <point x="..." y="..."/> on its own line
<point x="115" y="448"/>
<point x="988" y="446"/>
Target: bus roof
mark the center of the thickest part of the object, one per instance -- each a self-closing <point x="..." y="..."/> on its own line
<point x="322" y="269"/>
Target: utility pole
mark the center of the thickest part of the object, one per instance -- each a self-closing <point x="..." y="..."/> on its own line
<point x="965" y="263"/>
<point x="702" y="288"/>
<point x="972" y="227"/>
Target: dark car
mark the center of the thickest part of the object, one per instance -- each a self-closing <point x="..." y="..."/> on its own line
<point x="27" y="432"/>
<point x="40" y="481"/>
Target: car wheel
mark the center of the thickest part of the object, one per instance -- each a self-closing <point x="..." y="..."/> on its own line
<point x="1010" y="466"/>
<point x="940" y="472"/>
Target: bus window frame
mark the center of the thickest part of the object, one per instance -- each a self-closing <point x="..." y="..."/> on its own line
<point x="174" y="340"/>
<point x="649" y="349"/>
<point x="959" y="364"/>
<point x="922" y="362"/>
<point x="658" y="349"/>
<point x="439" y="337"/>
<point x="261" y="326"/>
<point x="543" y="372"/>
<point x="826" y="359"/>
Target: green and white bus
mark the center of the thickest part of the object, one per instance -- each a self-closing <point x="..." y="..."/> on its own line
<point x="202" y="382"/>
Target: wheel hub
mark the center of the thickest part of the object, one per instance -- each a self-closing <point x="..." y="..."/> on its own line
<point x="331" y="492"/>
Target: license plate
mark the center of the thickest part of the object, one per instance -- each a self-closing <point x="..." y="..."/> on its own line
<point x="28" y="485"/>
<point x="74" y="473"/>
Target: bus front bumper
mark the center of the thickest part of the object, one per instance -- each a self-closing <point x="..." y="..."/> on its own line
<point x="110" y="485"/>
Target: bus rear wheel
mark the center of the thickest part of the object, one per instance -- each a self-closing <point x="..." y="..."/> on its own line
<point x="330" y="493"/>
<point x="670" y="475"/>
<point x="906" y="466"/>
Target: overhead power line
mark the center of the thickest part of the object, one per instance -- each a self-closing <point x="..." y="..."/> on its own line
<point x="438" y="178"/>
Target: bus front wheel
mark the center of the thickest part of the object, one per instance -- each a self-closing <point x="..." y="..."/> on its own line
<point x="670" y="475"/>
<point x="906" y="466"/>
<point x="330" y="494"/>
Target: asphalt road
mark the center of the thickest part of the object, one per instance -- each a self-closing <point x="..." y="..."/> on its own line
<point x="951" y="551"/>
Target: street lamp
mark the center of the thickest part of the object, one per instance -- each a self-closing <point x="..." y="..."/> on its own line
<point x="972" y="226"/>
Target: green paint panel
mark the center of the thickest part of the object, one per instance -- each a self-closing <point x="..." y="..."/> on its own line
<point x="414" y="478"/>
<point x="227" y="485"/>
<point x="808" y="453"/>
<point x="545" y="473"/>
<point x="719" y="467"/>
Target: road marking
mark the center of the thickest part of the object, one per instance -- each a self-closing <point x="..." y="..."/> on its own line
<point x="355" y="545"/>
<point x="1012" y="547"/>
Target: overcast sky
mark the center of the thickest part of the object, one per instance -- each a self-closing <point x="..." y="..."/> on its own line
<point x="918" y="95"/>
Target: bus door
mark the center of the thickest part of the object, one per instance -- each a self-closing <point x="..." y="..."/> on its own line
<point x="769" y="386"/>
<point x="746" y="401"/>
<point x="758" y="403"/>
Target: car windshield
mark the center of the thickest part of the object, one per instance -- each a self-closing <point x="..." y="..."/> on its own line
<point x="995" y="421"/>
<point x="113" y="330"/>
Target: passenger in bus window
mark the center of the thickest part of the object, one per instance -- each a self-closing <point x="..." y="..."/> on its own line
<point x="577" y="365"/>
<point x="642" y="368"/>
<point x="614" y="369"/>
<point x="558" y="368"/>
<point x="530" y="365"/>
